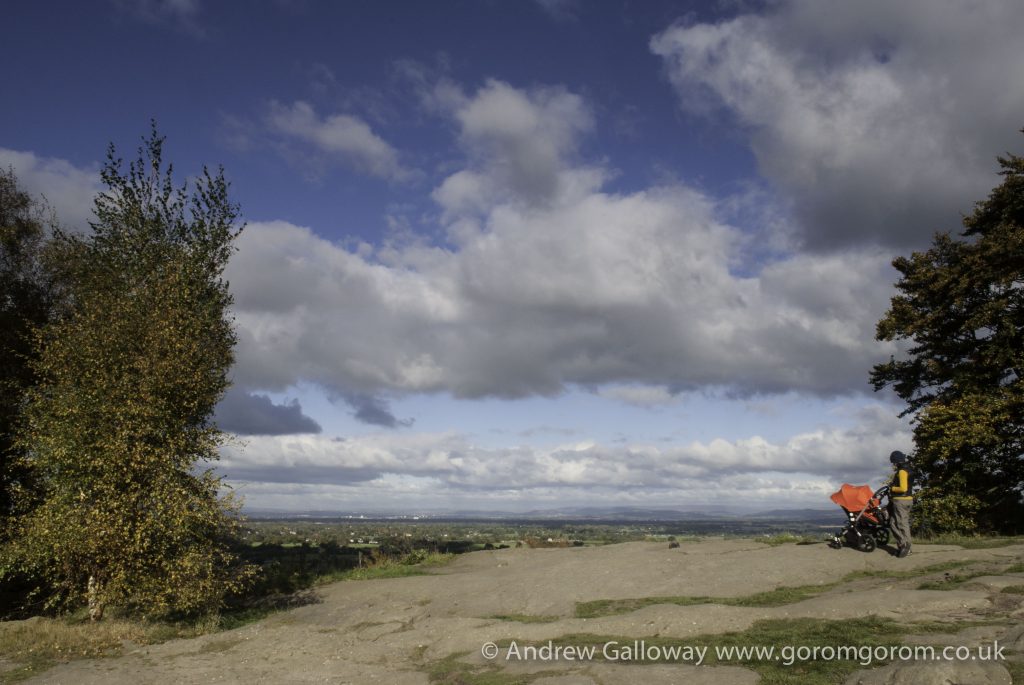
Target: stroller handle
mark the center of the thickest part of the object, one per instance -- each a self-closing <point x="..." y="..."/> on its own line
<point x="882" y="491"/>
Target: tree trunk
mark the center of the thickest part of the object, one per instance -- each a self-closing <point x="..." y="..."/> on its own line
<point x="95" y="603"/>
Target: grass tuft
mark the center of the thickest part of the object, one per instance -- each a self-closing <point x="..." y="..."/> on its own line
<point x="527" y="618"/>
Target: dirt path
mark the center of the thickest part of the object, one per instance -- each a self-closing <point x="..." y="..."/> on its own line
<point x="392" y="631"/>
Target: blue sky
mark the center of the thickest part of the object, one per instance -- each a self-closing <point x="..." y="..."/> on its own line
<point x="526" y="254"/>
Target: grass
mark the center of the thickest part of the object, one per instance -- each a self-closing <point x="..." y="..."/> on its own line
<point x="453" y="671"/>
<point x="388" y="567"/>
<point x="527" y="618"/>
<point x="787" y="538"/>
<point x="803" y="632"/>
<point x="974" y="541"/>
<point x="1014" y="589"/>
<point x="1016" y="669"/>
<point x="39" y="643"/>
<point x="951" y="582"/>
<point x="771" y="598"/>
<point x="908" y="573"/>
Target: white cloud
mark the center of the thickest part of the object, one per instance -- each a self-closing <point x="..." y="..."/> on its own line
<point x="341" y="135"/>
<point x="68" y="189"/>
<point x="809" y="464"/>
<point x="880" y="120"/>
<point x="520" y="145"/>
<point x="571" y="285"/>
<point x="538" y="301"/>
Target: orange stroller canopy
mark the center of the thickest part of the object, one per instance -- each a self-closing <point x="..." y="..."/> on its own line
<point x="854" y="497"/>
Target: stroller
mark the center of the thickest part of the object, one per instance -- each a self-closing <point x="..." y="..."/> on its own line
<point x="867" y="523"/>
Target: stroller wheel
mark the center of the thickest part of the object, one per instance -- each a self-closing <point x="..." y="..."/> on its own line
<point x="835" y="543"/>
<point x="882" y="536"/>
<point x="867" y="543"/>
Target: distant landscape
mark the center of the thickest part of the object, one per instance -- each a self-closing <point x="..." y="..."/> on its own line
<point x="609" y="514"/>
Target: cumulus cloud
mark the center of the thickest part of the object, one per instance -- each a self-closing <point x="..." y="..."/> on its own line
<point x="880" y="121"/>
<point x="68" y="189"/>
<point x="247" y="413"/>
<point x="519" y="143"/>
<point x="811" y="463"/>
<point x="551" y="285"/>
<point x="341" y="136"/>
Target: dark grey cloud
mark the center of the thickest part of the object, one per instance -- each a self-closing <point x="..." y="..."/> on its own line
<point x="880" y="121"/>
<point x="374" y="411"/>
<point x="247" y="413"/>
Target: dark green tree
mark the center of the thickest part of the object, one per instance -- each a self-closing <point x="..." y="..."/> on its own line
<point x="26" y="298"/>
<point x="961" y="307"/>
<point x="118" y="426"/>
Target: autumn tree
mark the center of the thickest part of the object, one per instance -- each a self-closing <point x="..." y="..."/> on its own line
<point x="26" y="298"/>
<point x="961" y="308"/>
<point x="118" y="426"/>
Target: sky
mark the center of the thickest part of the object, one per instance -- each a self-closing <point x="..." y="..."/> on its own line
<point x="514" y="255"/>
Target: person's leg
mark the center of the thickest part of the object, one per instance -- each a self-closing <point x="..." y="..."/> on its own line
<point x="891" y="510"/>
<point x="901" y="525"/>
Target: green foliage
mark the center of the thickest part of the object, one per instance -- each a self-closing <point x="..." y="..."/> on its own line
<point x="118" y="425"/>
<point x="961" y="306"/>
<point x="948" y="510"/>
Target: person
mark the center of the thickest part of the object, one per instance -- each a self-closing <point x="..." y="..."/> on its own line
<point x="900" y="502"/>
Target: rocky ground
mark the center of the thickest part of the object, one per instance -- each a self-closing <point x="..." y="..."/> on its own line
<point x="432" y="628"/>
